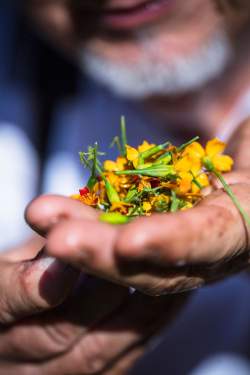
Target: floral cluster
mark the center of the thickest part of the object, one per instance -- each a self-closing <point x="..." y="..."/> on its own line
<point x="150" y="178"/>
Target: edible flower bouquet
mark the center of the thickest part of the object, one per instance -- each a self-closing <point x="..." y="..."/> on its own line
<point x="152" y="178"/>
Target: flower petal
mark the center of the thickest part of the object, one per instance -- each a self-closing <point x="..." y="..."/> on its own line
<point x="145" y="146"/>
<point x="110" y="166"/>
<point x="185" y="182"/>
<point x="183" y="165"/>
<point x="214" y="147"/>
<point x="203" y="180"/>
<point x="195" y="150"/>
<point x="147" y="207"/>
<point x="223" y="163"/>
<point x="132" y="153"/>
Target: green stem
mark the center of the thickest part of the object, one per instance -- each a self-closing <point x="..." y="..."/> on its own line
<point x="112" y="194"/>
<point x="175" y="203"/>
<point x="182" y="147"/>
<point x="152" y="151"/>
<point x="116" y="141"/>
<point x="158" y="170"/>
<point x="234" y="199"/>
<point x="124" y="136"/>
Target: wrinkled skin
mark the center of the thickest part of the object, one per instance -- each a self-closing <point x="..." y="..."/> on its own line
<point x="54" y="321"/>
<point x="76" y="337"/>
<point x="165" y="253"/>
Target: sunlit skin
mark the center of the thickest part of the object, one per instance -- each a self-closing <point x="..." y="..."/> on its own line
<point x="152" y="254"/>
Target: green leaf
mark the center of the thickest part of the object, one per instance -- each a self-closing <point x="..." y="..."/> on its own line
<point x="152" y="151"/>
<point x="160" y="170"/>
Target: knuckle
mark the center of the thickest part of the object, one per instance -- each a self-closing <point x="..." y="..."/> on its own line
<point x="133" y="246"/>
<point x="63" y="238"/>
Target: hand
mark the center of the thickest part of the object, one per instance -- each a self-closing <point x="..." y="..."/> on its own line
<point x="55" y="322"/>
<point x="164" y="253"/>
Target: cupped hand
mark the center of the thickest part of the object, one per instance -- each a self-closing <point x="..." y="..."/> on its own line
<point x="55" y="321"/>
<point x="164" y="253"/>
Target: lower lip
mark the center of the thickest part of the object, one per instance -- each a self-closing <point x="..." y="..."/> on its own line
<point x="135" y="18"/>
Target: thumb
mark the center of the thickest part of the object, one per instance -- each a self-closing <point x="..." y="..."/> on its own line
<point x="33" y="286"/>
<point x="239" y="146"/>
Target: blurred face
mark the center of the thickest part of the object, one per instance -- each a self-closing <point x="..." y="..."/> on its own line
<point x="142" y="48"/>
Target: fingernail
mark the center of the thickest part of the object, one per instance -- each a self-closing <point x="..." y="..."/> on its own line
<point x="56" y="280"/>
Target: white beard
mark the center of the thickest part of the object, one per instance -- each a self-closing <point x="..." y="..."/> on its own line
<point x="156" y="73"/>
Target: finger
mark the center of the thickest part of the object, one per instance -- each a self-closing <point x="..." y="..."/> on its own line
<point x="90" y="246"/>
<point x="30" y="287"/>
<point x="143" y="253"/>
<point x="49" y="335"/>
<point x="233" y="178"/>
<point x="239" y="146"/>
<point x="47" y="210"/>
<point x="131" y="326"/>
<point x="210" y="232"/>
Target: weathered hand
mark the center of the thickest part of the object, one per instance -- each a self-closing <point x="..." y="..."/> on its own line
<point x="164" y="253"/>
<point x="55" y="322"/>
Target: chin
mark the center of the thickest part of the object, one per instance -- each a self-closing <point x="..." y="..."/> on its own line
<point x="167" y="65"/>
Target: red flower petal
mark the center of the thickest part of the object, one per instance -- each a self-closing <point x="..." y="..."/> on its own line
<point x="84" y="191"/>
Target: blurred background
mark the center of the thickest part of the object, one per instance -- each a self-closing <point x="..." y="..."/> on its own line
<point x="46" y="117"/>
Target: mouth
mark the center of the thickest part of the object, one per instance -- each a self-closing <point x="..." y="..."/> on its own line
<point x="132" y="17"/>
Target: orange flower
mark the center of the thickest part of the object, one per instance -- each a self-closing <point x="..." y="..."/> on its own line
<point x="120" y="207"/>
<point x="90" y="199"/>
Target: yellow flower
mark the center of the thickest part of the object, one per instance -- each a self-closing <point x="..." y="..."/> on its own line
<point x="192" y="182"/>
<point x="147" y="207"/>
<point x="113" y="166"/>
<point x="214" y="149"/>
<point x="133" y="153"/>
<point x="202" y="179"/>
<point x="191" y="159"/>
<point x="184" y="164"/>
<point x="213" y="152"/>
<point x="90" y="199"/>
<point x="145" y="146"/>
<point x="185" y="183"/>
<point x="195" y="151"/>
